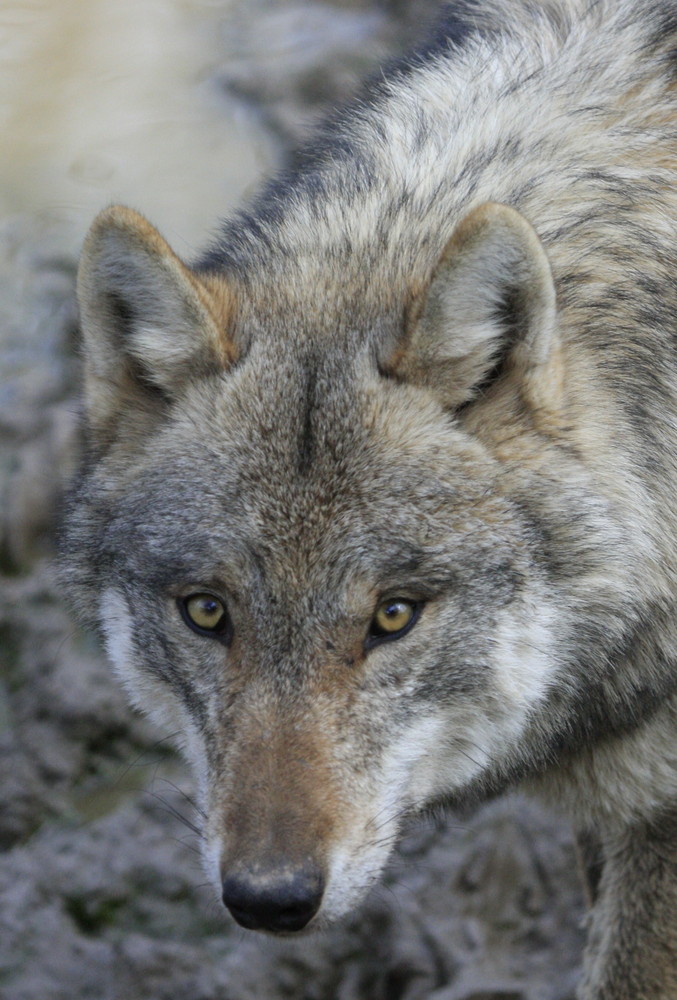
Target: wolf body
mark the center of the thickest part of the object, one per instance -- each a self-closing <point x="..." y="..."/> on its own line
<point x="378" y="509"/>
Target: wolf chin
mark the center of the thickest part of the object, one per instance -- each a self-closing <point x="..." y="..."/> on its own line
<point x="378" y="507"/>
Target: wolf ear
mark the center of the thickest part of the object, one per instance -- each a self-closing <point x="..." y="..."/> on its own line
<point x="489" y="310"/>
<point x="148" y="322"/>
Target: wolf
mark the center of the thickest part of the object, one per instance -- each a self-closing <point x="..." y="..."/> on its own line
<point x="378" y="506"/>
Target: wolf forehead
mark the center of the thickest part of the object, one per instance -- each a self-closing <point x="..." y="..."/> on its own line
<point x="281" y="464"/>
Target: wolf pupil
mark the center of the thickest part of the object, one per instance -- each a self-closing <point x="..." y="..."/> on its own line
<point x="395" y="614"/>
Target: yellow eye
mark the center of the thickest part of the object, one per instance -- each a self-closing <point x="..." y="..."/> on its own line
<point x="392" y="619"/>
<point x="206" y="614"/>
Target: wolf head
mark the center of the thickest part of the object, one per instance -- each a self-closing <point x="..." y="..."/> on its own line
<point x="313" y="542"/>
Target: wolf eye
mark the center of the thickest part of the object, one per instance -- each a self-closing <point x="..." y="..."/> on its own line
<point x="205" y="614"/>
<point x="392" y="620"/>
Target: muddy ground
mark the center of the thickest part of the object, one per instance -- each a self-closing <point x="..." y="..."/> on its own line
<point x="179" y="108"/>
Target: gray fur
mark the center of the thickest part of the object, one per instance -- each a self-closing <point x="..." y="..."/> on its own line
<point x="382" y="382"/>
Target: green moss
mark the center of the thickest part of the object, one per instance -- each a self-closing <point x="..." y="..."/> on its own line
<point x="92" y="916"/>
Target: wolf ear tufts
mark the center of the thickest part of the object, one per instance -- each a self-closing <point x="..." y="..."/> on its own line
<point x="149" y="323"/>
<point x="489" y="310"/>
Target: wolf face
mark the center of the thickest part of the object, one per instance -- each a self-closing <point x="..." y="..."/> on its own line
<point x="307" y="562"/>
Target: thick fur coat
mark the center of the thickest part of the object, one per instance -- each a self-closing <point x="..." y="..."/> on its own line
<point x="379" y="505"/>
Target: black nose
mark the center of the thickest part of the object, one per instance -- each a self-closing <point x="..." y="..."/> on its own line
<point x="283" y="899"/>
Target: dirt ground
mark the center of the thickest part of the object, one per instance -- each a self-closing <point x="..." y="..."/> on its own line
<point x="178" y="108"/>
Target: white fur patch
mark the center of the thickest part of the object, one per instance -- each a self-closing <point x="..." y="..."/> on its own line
<point x="116" y="622"/>
<point x="415" y="767"/>
<point x="524" y="662"/>
<point x="148" y="694"/>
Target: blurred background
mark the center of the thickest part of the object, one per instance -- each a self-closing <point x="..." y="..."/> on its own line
<point x="179" y="108"/>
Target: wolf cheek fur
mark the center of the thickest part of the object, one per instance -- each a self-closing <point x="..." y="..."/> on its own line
<point x="406" y="436"/>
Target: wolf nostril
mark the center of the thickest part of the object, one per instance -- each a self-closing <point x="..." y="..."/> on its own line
<point x="277" y="900"/>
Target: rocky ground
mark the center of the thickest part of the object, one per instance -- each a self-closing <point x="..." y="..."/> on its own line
<point x="101" y="892"/>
